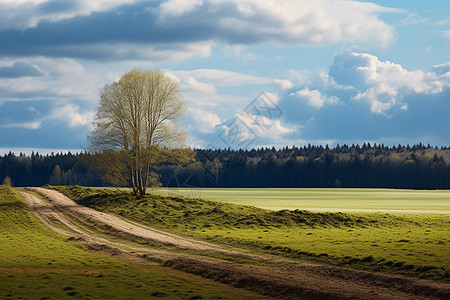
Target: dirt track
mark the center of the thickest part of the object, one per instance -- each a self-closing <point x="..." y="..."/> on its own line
<point x="275" y="277"/>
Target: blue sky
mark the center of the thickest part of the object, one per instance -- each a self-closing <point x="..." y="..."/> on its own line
<point x="330" y="71"/>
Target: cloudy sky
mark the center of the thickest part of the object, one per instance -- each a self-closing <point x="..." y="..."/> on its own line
<point x="252" y="72"/>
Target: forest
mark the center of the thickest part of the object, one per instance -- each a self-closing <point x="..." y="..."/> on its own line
<point x="366" y="166"/>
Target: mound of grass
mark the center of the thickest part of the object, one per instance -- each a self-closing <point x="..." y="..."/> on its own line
<point x="179" y="212"/>
<point x="36" y="263"/>
<point x="414" y="245"/>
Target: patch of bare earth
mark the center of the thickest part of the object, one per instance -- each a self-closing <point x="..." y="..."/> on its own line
<point x="271" y="276"/>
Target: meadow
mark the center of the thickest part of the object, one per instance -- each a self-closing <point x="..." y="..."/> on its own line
<point x="324" y="199"/>
<point x="403" y="243"/>
<point x="36" y="263"/>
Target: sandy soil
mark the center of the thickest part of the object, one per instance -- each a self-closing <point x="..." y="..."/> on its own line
<point x="267" y="275"/>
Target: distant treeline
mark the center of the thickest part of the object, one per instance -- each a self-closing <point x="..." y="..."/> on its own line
<point x="37" y="170"/>
<point x="377" y="166"/>
<point x="416" y="167"/>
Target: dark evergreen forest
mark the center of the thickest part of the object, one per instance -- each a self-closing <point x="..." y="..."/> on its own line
<point x="376" y="166"/>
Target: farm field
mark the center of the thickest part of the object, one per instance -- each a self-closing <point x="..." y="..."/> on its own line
<point x="105" y="243"/>
<point x="404" y="243"/>
<point x="326" y="199"/>
<point x="37" y="263"/>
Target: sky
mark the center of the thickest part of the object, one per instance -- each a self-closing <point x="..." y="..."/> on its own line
<point x="252" y="73"/>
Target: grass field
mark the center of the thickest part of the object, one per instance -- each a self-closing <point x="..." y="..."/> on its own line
<point x="410" y="244"/>
<point x="36" y="263"/>
<point x="345" y="200"/>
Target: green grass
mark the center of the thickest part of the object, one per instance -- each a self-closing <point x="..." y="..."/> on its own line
<point x="410" y="244"/>
<point x="36" y="263"/>
<point x="314" y="199"/>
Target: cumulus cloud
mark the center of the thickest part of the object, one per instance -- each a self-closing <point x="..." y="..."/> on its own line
<point x="177" y="30"/>
<point x="70" y="114"/>
<point x="315" y="97"/>
<point x="384" y="84"/>
<point x="379" y="101"/>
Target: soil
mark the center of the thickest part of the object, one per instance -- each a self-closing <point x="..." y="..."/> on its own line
<point x="268" y="275"/>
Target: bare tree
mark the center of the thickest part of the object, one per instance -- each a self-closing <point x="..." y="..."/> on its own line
<point x="135" y="124"/>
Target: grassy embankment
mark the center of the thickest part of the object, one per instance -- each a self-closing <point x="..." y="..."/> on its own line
<point x="409" y="244"/>
<point x="36" y="263"/>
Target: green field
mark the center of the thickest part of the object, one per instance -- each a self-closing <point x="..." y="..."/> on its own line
<point x="344" y="200"/>
<point x="410" y="244"/>
<point x="36" y="263"/>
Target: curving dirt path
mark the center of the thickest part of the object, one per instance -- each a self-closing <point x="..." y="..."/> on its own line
<point x="267" y="275"/>
<point x="64" y="204"/>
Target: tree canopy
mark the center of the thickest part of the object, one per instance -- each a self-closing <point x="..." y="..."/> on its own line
<point x="136" y="125"/>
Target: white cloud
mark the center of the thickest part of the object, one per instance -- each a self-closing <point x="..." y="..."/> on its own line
<point x="192" y="84"/>
<point x="315" y="97"/>
<point x="201" y="87"/>
<point x="201" y="121"/>
<point x="320" y="79"/>
<point x="178" y="30"/>
<point x="442" y="69"/>
<point x="69" y="113"/>
<point x="307" y="22"/>
<point x="284" y="84"/>
<point x="62" y="79"/>
<point x="363" y="78"/>
<point x="382" y="83"/>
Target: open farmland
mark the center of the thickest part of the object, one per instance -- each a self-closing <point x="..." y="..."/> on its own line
<point x="405" y="227"/>
<point x="411" y="244"/>
<point x="37" y="263"/>
<point x="103" y="243"/>
<point x="326" y="199"/>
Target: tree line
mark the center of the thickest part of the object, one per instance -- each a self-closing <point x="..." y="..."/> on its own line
<point x="37" y="170"/>
<point x="376" y="166"/>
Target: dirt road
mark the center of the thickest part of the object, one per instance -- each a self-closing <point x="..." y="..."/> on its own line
<point x="267" y="275"/>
